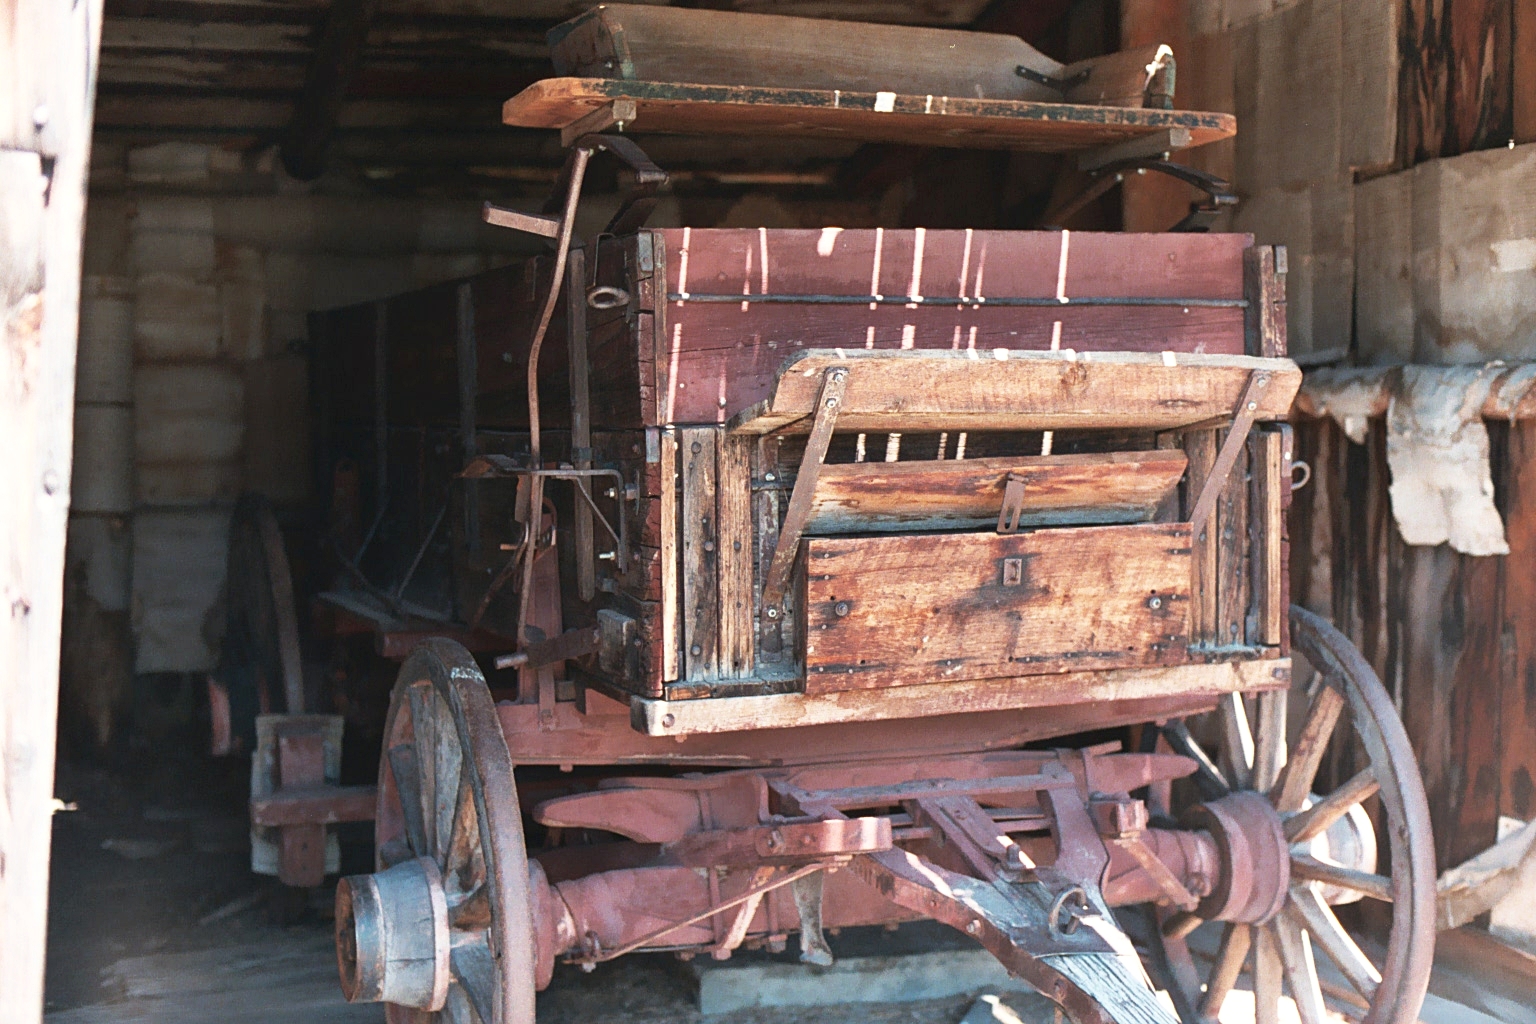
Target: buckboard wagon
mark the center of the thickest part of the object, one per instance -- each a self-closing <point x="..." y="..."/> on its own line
<point x="738" y="576"/>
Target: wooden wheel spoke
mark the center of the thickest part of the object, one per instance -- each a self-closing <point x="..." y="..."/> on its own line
<point x="402" y="762"/>
<point x="1267" y="974"/>
<point x="1313" y="870"/>
<point x="473" y="912"/>
<point x="1269" y="745"/>
<point x="1237" y="735"/>
<point x="1230" y="958"/>
<point x="448" y="778"/>
<point x="1307" y="909"/>
<point x="1295" y="782"/>
<point x="1315" y="820"/>
<point x="1300" y="971"/>
<point x="474" y="969"/>
<point x="424" y="739"/>
<point x="1213" y="785"/>
<point x="462" y="857"/>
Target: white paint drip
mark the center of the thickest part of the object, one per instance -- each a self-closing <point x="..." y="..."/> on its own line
<point x="677" y="348"/>
<point x="869" y="338"/>
<point x="965" y="263"/>
<point x="682" y="268"/>
<point x="915" y="287"/>
<point x="827" y="241"/>
<point x="762" y="248"/>
<point x="858" y="448"/>
<point x="1061" y="267"/>
<point x="960" y="447"/>
<point x="908" y="335"/>
<point x="892" y="447"/>
<point x="874" y="273"/>
<point x="885" y="102"/>
<point x="943" y="443"/>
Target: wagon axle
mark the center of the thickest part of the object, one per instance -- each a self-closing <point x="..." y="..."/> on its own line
<point x="1026" y="852"/>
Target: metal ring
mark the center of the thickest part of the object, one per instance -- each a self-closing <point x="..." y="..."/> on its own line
<point x="1079" y="900"/>
<point x="1306" y="475"/>
<point x="607" y="297"/>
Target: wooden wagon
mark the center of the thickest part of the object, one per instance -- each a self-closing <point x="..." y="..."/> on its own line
<point x="738" y="576"/>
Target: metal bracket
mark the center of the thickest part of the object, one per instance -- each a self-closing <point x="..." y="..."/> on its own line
<point x="1226" y="457"/>
<point x="1061" y="85"/>
<point x="620" y="112"/>
<point x="1013" y="504"/>
<point x="828" y="404"/>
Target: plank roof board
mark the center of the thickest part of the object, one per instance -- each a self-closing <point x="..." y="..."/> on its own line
<point x="952" y="121"/>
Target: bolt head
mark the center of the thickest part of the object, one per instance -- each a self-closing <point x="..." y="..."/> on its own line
<point x="841" y="609"/>
<point x="668" y="720"/>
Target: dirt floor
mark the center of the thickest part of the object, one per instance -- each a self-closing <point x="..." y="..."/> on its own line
<point x="155" y="916"/>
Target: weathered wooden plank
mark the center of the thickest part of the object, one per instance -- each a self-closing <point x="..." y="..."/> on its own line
<point x="669" y="640"/>
<point x="699" y="532"/>
<point x="1232" y="566"/>
<point x="1059" y="490"/>
<point x="1198" y="684"/>
<point x="1267" y="555"/>
<point x="1200" y="448"/>
<point x="734" y="520"/>
<point x="954" y="121"/>
<point x="1264" y="285"/>
<point x="1022" y="391"/>
<point x="337" y="54"/>
<point x="48" y="56"/>
<point x="1517" y="635"/>
<point x="887" y="611"/>
<point x="650" y="43"/>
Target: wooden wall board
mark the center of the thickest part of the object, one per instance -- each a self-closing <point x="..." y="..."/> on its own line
<point x="922" y="120"/>
<point x="1384" y="274"/>
<point x="1448" y="633"/>
<point x="1523" y="72"/>
<point x="1059" y="490"/>
<point x="890" y="611"/>
<point x="1455" y="75"/>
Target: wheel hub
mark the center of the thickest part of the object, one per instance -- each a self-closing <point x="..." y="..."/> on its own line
<point x="1255" y="858"/>
<point x="392" y="940"/>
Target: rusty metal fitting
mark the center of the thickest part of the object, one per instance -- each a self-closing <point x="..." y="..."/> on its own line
<point x="1117" y="817"/>
<point x="1255" y="868"/>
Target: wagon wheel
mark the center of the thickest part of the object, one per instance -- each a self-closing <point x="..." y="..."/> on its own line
<point x="260" y="666"/>
<point x="450" y="857"/>
<point x="1324" y="854"/>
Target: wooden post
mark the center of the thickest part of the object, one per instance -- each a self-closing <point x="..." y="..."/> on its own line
<point x="47" y="92"/>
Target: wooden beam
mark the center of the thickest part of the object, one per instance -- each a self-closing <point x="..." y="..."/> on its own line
<point x="792" y="710"/>
<point x="944" y="390"/>
<point x="337" y="55"/>
<point x="48" y="53"/>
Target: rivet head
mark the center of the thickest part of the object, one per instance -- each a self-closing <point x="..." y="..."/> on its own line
<point x="696" y="650"/>
<point x="709" y="545"/>
<point x="1154" y="603"/>
<point x="697" y="447"/>
<point x="669" y="720"/>
<point x="841" y="608"/>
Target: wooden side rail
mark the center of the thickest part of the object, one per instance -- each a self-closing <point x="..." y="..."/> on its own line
<point x="1011" y="390"/>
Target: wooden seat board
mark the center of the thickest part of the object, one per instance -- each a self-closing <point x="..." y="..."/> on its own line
<point x="952" y="121"/>
<point x="1010" y="390"/>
